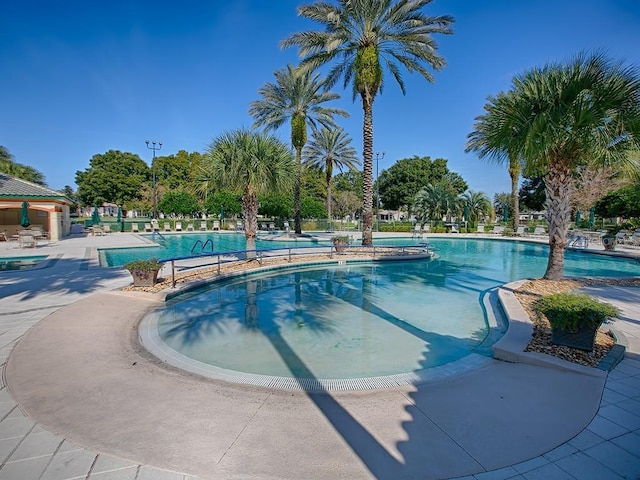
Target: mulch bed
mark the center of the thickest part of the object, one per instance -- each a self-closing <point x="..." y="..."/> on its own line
<point x="531" y="291"/>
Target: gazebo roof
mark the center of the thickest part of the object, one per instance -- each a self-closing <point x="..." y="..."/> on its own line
<point x="12" y="187"/>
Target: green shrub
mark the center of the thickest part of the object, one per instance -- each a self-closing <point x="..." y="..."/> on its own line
<point x="571" y="311"/>
<point x="143" y="265"/>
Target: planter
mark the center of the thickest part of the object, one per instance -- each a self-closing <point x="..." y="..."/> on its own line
<point x="144" y="278"/>
<point x="583" y="338"/>
<point x="609" y="242"/>
<point x="340" y="247"/>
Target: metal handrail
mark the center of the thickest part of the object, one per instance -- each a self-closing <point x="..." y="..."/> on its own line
<point x="288" y="252"/>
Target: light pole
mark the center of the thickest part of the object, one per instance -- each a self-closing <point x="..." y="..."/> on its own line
<point x="378" y="154"/>
<point x="154" y="146"/>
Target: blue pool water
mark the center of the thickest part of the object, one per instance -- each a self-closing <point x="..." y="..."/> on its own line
<point x="355" y="321"/>
<point x="20" y="263"/>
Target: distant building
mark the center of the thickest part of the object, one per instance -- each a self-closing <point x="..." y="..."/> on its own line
<point x="47" y="209"/>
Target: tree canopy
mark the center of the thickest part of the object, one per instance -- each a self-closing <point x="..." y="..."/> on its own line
<point x="402" y="181"/>
<point x="9" y="166"/>
<point x="115" y="177"/>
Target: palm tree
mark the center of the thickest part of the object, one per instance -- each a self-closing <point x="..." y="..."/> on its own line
<point x="297" y="97"/>
<point x="559" y="117"/>
<point x="251" y="164"/>
<point x="435" y="202"/>
<point x="361" y="36"/>
<point x="330" y="148"/>
<point x="477" y="203"/>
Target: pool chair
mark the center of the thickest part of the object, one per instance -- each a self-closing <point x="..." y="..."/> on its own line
<point x="147" y="227"/>
<point x="167" y="226"/>
<point x="203" y="226"/>
<point x="621" y="236"/>
<point x="272" y="227"/>
<point x="539" y="232"/>
<point x="216" y="225"/>
<point x="134" y="228"/>
<point x="26" y="239"/>
<point x="154" y="225"/>
<point x="239" y="227"/>
<point x="106" y="229"/>
<point x="521" y="231"/>
<point x="178" y="226"/>
<point x="286" y="226"/>
<point x="480" y="229"/>
<point x="190" y="227"/>
<point x="417" y="231"/>
<point x="454" y="229"/>
<point x="426" y="228"/>
<point x="497" y="230"/>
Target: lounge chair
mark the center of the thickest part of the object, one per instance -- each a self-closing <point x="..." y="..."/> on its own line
<point x="167" y="226"/>
<point x="178" y="226"/>
<point x="272" y="227"/>
<point x="190" y="227"/>
<point x="497" y="230"/>
<point x="216" y="225"/>
<point x="454" y="229"/>
<point x="203" y="226"/>
<point x="621" y="236"/>
<point x="239" y="226"/>
<point x="521" y="231"/>
<point x="155" y="226"/>
<point x="539" y="232"/>
<point x="480" y="229"/>
<point x="417" y="231"/>
<point x="286" y="226"/>
<point x="426" y="228"/>
<point x="26" y="239"/>
<point x="106" y="229"/>
<point x="134" y="228"/>
<point x="147" y="227"/>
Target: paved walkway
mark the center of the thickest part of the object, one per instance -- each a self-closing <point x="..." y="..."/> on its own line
<point x="71" y="374"/>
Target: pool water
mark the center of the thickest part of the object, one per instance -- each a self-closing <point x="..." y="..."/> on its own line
<point x="355" y="321"/>
<point x="20" y="263"/>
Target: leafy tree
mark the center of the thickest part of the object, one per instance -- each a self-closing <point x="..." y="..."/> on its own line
<point x="114" y="176"/>
<point x="276" y="205"/>
<point x="9" y="166"/>
<point x="225" y="202"/>
<point x="68" y="192"/>
<point x="477" y="203"/>
<point x="251" y="164"/>
<point x="175" y="171"/>
<point x="403" y="180"/>
<point x="178" y="203"/>
<point x="560" y="117"/>
<point x="313" y="208"/>
<point x="624" y="202"/>
<point x="435" y="202"/>
<point x="296" y="97"/>
<point x="347" y="203"/>
<point x="350" y="181"/>
<point x="359" y="34"/>
<point x="532" y="194"/>
<point x="330" y="148"/>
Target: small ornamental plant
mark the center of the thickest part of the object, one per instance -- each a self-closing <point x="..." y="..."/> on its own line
<point x="144" y="265"/>
<point x="575" y="318"/>
<point x="144" y="272"/>
<point x="341" y="240"/>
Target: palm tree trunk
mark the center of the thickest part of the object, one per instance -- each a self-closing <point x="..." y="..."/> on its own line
<point x="250" y="220"/>
<point x="514" y="173"/>
<point x="557" y="183"/>
<point x="329" y="179"/>
<point x="367" y="183"/>
<point x="297" y="216"/>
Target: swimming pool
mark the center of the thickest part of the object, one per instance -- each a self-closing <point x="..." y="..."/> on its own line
<point x="356" y="321"/>
<point x="171" y="246"/>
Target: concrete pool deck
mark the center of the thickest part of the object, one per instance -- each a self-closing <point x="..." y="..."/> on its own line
<point x="97" y="406"/>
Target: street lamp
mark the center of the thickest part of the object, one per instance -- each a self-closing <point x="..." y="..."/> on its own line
<point x="378" y="154"/>
<point x="154" y="146"/>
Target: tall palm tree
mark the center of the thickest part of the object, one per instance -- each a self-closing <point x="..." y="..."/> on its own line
<point x="556" y="118"/>
<point x="361" y="36"/>
<point x="297" y="97"/>
<point x="477" y="203"/>
<point x="330" y="148"/>
<point x="249" y="163"/>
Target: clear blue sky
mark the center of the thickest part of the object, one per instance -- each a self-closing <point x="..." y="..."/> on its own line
<point x="83" y="77"/>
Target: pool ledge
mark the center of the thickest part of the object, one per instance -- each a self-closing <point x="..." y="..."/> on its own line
<point x="510" y="348"/>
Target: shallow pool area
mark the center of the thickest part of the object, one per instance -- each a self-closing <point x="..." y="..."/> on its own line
<point x="354" y="321"/>
<point x="20" y="263"/>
